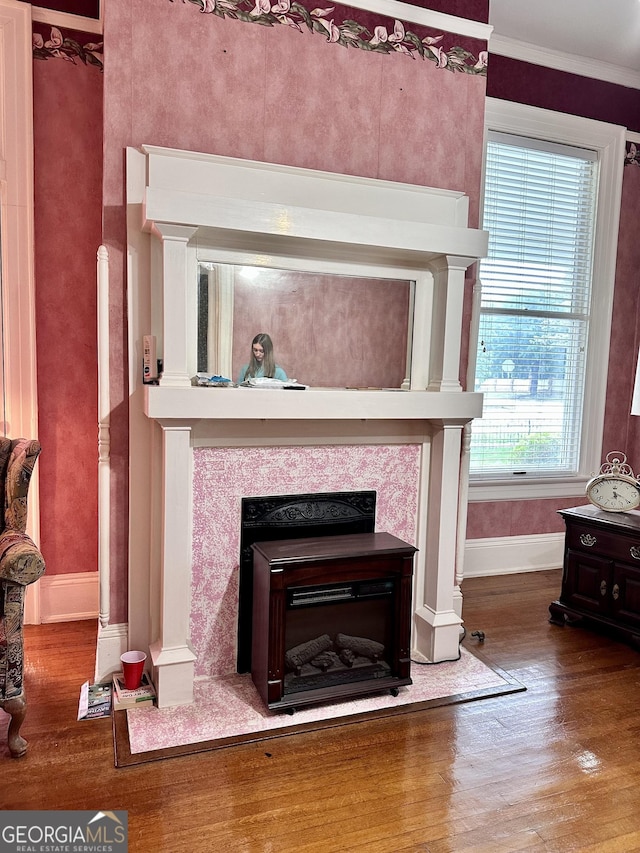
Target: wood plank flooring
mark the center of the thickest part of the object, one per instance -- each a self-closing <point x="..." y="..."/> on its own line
<point x="556" y="768"/>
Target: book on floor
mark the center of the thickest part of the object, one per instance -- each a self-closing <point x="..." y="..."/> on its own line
<point x="95" y="700"/>
<point x="138" y="698"/>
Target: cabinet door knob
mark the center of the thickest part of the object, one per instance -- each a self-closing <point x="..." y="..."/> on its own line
<point x="635" y="552"/>
<point x="615" y="592"/>
<point x="589" y="540"/>
<point x="603" y="587"/>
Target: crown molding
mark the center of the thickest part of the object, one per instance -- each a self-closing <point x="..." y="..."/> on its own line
<point x="425" y="17"/>
<point x="66" y="21"/>
<point x="594" y="68"/>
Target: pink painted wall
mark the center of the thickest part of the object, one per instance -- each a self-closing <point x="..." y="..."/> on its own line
<point x="623" y="433"/>
<point x="176" y="77"/>
<point x="329" y="331"/>
<point x="223" y="476"/>
<point x="511" y="79"/>
<point x="68" y="183"/>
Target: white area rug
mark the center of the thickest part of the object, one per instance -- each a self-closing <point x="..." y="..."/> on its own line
<point x="231" y="707"/>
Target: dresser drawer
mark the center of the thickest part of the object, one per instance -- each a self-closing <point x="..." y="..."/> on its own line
<point x="606" y="543"/>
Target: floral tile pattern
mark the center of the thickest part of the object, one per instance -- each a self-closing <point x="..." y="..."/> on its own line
<point x="230" y="706"/>
<point x="223" y="476"/>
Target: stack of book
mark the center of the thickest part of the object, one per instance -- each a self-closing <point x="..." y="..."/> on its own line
<point x="138" y="698"/>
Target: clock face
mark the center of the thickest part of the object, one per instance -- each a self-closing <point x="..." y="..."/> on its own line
<point x="615" y="494"/>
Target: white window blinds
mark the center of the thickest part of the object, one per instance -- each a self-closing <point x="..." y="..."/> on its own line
<point x="539" y="209"/>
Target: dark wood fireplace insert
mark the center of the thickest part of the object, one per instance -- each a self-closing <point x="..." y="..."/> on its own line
<point x="331" y="618"/>
<point x="292" y="517"/>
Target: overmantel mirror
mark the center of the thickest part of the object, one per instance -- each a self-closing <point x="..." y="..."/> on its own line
<point x="328" y="330"/>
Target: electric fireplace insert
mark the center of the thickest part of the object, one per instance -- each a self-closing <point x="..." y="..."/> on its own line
<point x="298" y="516"/>
<point x="331" y="618"/>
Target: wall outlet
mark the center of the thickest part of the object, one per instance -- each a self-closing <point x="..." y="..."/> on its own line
<point x="149" y="359"/>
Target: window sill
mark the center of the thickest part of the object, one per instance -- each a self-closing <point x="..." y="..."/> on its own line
<point x="507" y="490"/>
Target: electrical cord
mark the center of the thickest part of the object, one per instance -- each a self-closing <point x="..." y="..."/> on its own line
<point x="478" y="634"/>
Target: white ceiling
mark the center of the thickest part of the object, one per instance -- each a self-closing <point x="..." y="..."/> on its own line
<point x="607" y="31"/>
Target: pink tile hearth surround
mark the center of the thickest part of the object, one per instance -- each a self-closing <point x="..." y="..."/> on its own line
<point x="231" y="707"/>
<point x="223" y="476"/>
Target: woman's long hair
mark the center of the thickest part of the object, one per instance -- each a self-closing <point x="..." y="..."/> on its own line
<point x="268" y="363"/>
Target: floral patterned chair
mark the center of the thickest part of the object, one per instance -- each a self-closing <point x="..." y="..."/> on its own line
<point x="21" y="563"/>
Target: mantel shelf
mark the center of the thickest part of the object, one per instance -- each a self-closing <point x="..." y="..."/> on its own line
<point x="197" y="403"/>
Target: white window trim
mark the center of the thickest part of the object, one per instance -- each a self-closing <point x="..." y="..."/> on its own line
<point x="609" y="141"/>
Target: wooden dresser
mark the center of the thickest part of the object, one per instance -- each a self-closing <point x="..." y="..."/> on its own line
<point x="601" y="573"/>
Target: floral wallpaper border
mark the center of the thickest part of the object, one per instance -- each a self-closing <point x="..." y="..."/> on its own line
<point x="632" y="155"/>
<point x="346" y="31"/>
<point x="60" y="46"/>
<point x="371" y="32"/>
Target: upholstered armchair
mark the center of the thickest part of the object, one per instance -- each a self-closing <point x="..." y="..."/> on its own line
<point x="21" y="563"/>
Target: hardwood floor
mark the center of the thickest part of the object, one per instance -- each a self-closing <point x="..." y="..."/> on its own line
<point x="555" y="768"/>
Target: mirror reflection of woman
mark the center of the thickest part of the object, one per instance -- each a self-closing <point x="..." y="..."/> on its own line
<point x="262" y="363"/>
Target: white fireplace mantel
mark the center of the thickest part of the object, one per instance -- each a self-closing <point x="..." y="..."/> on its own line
<point x="314" y="404"/>
<point x="182" y="204"/>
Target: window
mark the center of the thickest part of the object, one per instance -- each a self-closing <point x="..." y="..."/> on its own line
<point x="544" y="308"/>
<point x="539" y="209"/>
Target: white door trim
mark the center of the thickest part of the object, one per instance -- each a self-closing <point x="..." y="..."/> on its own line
<point x="20" y="417"/>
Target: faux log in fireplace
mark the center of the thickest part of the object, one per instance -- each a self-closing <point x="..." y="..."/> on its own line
<point x="331" y="617"/>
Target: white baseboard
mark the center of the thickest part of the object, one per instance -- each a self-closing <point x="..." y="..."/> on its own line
<point x="70" y="597"/>
<point x="112" y="642"/>
<point x="509" y="555"/>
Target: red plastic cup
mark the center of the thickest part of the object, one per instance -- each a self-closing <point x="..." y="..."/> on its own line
<point x="132" y="667"/>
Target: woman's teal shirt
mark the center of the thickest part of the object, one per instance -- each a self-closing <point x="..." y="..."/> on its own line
<point x="278" y="374"/>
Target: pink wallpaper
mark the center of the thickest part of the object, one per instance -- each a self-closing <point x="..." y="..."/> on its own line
<point x="223" y="476"/>
<point x="487" y="519"/>
<point x="331" y="331"/>
<point x="176" y="77"/>
<point x="622" y="433"/>
<point x="514" y="80"/>
<point x="68" y="178"/>
<point x="87" y="8"/>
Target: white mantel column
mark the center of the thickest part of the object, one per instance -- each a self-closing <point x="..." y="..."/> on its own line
<point x="175" y="282"/>
<point x="171" y="654"/>
<point x="448" y="297"/>
<point x="437" y="623"/>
